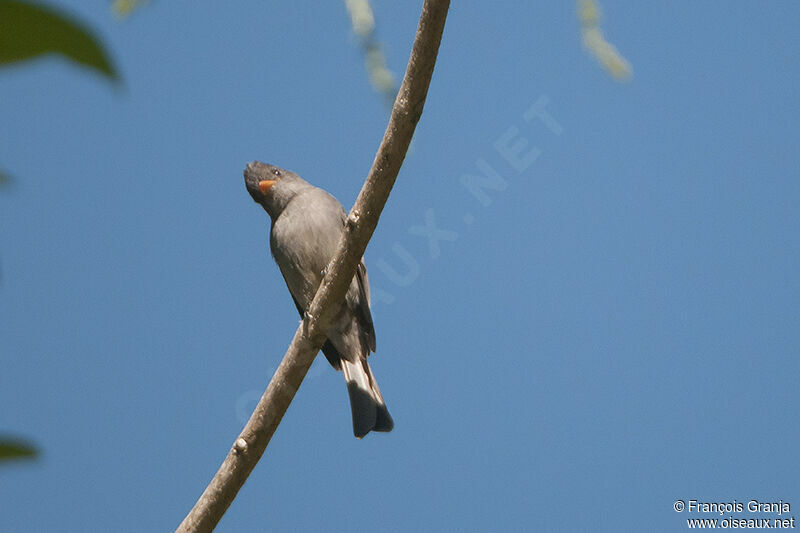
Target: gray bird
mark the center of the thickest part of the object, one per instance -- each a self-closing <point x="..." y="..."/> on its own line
<point x="307" y="224"/>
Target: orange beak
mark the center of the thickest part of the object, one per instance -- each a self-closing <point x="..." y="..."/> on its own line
<point x="265" y="185"/>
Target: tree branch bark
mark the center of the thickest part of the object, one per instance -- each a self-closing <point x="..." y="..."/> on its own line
<point x="309" y="337"/>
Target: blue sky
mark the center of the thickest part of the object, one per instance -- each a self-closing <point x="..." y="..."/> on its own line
<point x="617" y="329"/>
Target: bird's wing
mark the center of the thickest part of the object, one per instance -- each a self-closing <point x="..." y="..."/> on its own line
<point x="331" y="353"/>
<point x="362" y="307"/>
<point x="363" y="314"/>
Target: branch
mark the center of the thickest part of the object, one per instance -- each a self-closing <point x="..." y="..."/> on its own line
<point x="309" y="337"/>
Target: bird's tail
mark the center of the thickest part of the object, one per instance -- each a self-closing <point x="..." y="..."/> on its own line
<point x="366" y="402"/>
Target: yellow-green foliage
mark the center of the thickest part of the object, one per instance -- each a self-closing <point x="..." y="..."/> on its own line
<point x="595" y="42"/>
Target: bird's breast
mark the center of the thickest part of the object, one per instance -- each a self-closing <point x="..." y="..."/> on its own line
<point x="302" y="242"/>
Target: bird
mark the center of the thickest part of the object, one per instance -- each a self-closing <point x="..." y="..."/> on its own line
<point x="306" y="225"/>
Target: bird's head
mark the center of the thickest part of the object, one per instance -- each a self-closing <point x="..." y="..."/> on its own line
<point x="272" y="186"/>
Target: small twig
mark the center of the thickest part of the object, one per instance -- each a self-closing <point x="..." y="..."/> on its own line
<point x="309" y="337"/>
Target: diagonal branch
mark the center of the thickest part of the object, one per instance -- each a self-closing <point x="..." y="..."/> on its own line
<point x="309" y="337"/>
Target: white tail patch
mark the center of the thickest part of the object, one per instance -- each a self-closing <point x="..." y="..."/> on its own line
<point x="360" y="375"/>
<point x="354" y="373"/>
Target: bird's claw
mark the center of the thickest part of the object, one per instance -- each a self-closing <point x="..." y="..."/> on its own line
<point x="352" y="218"/>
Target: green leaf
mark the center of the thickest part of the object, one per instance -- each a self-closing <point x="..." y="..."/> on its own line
<point x="16" y="449"/>
<point x="123" y="8"/>
<point x="28" y="30"/>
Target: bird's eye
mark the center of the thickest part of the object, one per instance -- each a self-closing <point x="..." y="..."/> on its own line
<point x="276" y="172"/>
